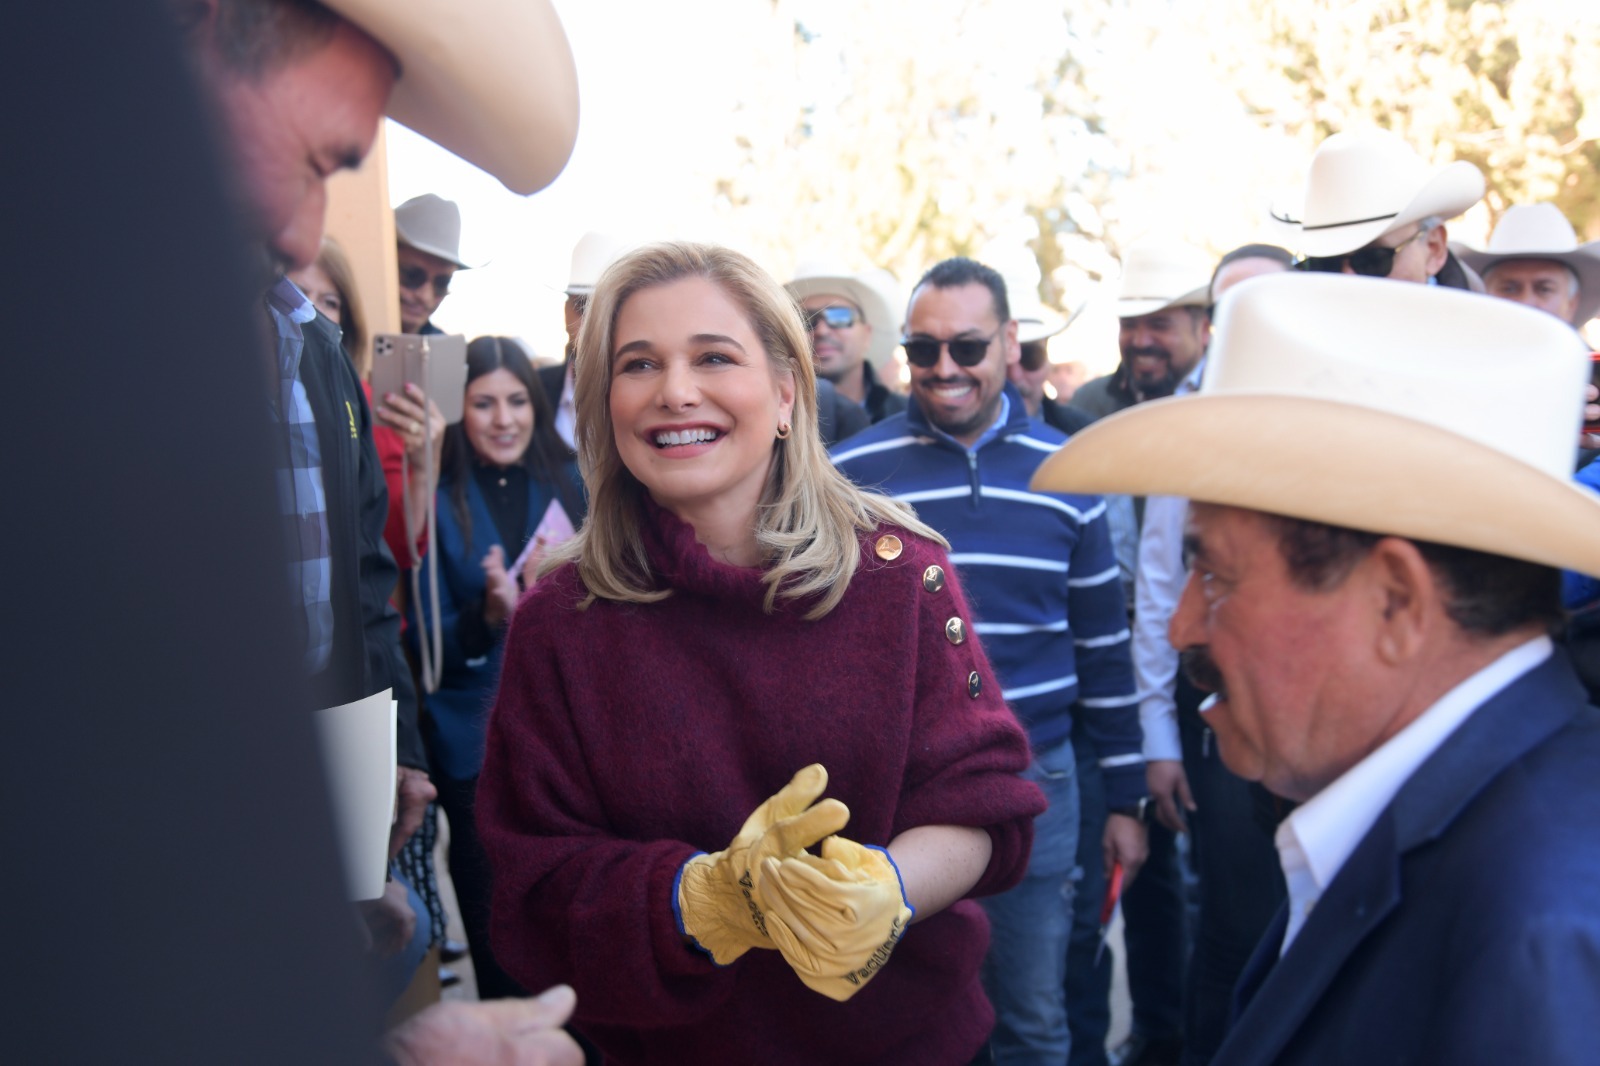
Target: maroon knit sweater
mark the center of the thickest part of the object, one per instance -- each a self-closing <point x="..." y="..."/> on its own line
<point x="625" y="738"/>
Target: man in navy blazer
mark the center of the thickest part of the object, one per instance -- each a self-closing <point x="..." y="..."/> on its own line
<point x="1376" y="546"/>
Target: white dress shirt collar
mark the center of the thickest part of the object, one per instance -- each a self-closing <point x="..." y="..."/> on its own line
<point x="1315" y="841"/>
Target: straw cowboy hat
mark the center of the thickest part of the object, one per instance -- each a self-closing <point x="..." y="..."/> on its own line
<point x="1541" y="231"/>
<point x="1363" y="185"/>
<point x="1388" y="408"/>
<point x="431" y="224"/>
<point x="491" y="80"/>
<point x="1156" y="277"/>
<point x="590" y="256"/>
<point x="866" y="291"/>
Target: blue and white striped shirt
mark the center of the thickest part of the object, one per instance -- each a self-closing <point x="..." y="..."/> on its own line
<point x="1037" y="567"/>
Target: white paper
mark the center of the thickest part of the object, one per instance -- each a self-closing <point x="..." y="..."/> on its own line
<point x="358" y="755"/>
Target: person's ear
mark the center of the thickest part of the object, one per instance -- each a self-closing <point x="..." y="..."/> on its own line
<point x="786" y="391"/>
<point x="1438" y="249"/>
<point x="1405" y="598"/>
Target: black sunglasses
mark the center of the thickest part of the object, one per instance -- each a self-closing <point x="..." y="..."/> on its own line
<point x="414" y="277"/>
<point x="924" y="352"/>
<point x="834" y="316"/>
<point x="1373" y="261"/>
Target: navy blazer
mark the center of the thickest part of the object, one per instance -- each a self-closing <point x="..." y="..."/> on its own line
<point x="459" y="711"/>
<point x="1465" y="927"/>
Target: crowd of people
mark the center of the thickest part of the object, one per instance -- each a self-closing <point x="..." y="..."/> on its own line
<point x="786" y="707"/>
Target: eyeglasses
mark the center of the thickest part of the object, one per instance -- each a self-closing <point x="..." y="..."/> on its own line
<point x="923" y="352"/>
<point x="1373" y="261"/>
<point x="414" y="277"/>
<point x="833" y="316"/>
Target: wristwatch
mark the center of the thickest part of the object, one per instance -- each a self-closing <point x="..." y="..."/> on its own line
<point x="1135" y="811"/>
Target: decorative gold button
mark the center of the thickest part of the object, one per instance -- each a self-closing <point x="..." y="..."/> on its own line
<point x="974" y="684"/>
<point x="955" y="631"/>
<point x="933" y="579"/>
<point x="889" y="547"/>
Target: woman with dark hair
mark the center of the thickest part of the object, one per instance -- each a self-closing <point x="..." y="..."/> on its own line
<point x="507" y="483"/>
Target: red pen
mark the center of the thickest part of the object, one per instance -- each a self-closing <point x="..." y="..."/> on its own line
<point x="1108" y="908"/>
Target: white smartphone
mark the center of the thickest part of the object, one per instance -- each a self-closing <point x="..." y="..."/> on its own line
<point x="436" y="362"/>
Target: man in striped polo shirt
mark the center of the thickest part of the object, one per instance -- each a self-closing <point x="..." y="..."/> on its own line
<point x="1044" y="585"/>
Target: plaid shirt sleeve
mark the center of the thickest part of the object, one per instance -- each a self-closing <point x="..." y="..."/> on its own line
<point x="302" y="500"/>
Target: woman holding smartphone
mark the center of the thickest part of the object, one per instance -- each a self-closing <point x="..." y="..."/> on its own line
<point x="508" y="490"/>
<point x="740" y="657"/>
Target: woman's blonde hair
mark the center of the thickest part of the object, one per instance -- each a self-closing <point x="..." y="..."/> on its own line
<point x="353" y="323"/>
<point x="810" y="514"/>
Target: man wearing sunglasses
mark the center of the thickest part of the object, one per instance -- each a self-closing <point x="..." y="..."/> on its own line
<point x="852" y="332"/>
<point x="427" y="231"/>
<point x="1374" y="207"/>
<point x="1046" y="587"/>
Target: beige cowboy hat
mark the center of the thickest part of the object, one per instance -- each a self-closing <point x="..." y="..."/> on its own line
<point x="1363" y="185"/>
<point x="1358" y="402"/>
<point x="491" y="80"/>
<point x="867" y="291"/>
<point x="1158" y="276"/>
<point x="431" y="224"/>
<point x="590" y="256"/>
<point x="1540" y="231"/>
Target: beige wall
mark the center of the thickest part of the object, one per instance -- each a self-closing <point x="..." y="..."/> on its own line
<point x="360" y="219"/>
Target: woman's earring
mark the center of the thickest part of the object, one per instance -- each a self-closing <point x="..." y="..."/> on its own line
<point x="783" y="431"/>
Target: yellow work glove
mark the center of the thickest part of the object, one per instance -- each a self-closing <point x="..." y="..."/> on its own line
<point x="837" y="918"/>
<point x="715" y="895"/>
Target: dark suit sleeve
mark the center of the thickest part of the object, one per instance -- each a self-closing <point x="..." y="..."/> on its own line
<point x="386" y="662"/>
<point x="1530" y="993"/>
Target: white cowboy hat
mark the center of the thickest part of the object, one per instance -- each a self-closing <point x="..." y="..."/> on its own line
<point x="431" y="224"/>
<point x="590" y="256"/>
<point x="1363" y="185"/>
<point x="866" y="291"/>
<point x="1412" y="410"/>
<point x="1156" y="277"/>
<point x="1541" y="231"/>
<point x="491" y="80"/>
<point x="1035" y="321"/>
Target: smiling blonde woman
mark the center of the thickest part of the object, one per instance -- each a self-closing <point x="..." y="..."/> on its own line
<point x="736" y="615"/>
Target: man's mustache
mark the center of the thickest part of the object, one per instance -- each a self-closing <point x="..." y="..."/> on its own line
<point x="1201" y="671"/>
<point x="1154" y="353"/>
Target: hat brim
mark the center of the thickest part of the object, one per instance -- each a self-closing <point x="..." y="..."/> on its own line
<point x="1337" y="463"/>
<point x="1137" y="307"/>
<point x="494" y="83"/>
<point x="437" y="251"/>
<point x="1450" y="192"/>
<point x="1584" y="262"/>
<point x="885" y="330"/>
